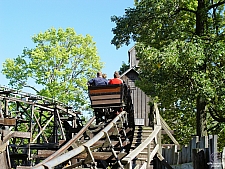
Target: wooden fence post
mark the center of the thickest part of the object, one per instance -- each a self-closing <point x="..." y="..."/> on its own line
<point x="198" y="159"/>
<point x="223" y="158"/>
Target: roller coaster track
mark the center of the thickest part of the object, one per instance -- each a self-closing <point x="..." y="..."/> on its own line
<point x="26" y="121"/>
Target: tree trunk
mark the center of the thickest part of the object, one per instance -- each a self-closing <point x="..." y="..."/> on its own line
<point x="201" y="19"/>
<point x="201" y="120"/>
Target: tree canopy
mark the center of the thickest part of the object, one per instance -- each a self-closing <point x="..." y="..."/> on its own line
<point x="124" y="67"/>
<point x="61" y="63"/>
<point x="181" y="47"/>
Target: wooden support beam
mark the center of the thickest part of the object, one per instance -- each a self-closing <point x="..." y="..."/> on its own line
<point x="9" y="122"/>
<point x="17" y="134"/>
<point x="10" y="134"/>
<point x="45" y="153"/>
<point x="1" y="121"/>
<point x="101" y="156"/>
<point x="3" y="161"/>
<point x="164" y="132"/>
<point x="114" y="143"/>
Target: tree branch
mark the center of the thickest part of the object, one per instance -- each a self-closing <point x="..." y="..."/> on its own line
<point x="179" y="9"/>
<point x="31" y="88"/>
<point x="216" y="117"/>
<point x="216" y="5"/>
<point x="184" y="9"/>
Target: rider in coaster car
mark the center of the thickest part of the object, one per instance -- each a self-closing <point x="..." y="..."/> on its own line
<point x="116" y="80"/>
<point x="98" y="81"/>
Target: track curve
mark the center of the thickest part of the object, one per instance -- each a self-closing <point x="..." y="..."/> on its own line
<point x="105" y="149"/>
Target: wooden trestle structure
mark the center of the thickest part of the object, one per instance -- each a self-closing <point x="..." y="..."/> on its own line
<point x="41" y="133"/>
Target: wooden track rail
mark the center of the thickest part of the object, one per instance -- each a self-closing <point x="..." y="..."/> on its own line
<point x="124" y="160"/>
<point x="155" y="137"/>
<point x="41" y="133"/>
<point x="88" y="147"/>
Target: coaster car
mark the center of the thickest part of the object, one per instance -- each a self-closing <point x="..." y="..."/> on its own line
<point x="108" y="99"/>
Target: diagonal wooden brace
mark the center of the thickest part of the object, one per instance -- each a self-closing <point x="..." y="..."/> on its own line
<point x="118" y="135"/>
<point x="90" y="158"/>
<point x="107" y="142"/>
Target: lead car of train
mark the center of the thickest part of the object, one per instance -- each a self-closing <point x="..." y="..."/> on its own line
<point x="109" y="100"/>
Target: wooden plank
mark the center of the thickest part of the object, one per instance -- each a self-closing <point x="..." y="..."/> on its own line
<point x="163" y="161"/>
<point x="171" y="145"/>
<point x="101" y="156"/>
<point x="169" y="134"/>
<point x="139" y="102"/>
<point x="164" y="132"/>
<point x="113" y="143"/>
<point x="173" y="150"/>
<point x="223" y="157"/>
<point x="102" y="102"/>
<point x="204" y="142"/>
<point x="61" y="142"/>
<point x="101" y="97"/>
<point x="1" y="120"/>
<point x="9" y="122"/>
<point x="3" y="146"/>
<point x="137" y="150"/>
<point x="189" y="151"/>
<point x="198" y="159"/>
<point x="180" y="157"/>
<point x="184" y="154"/>
<point x="193" y="142"/>
<point x="17" y="134"/>
<point x="3" y="161"/>
<point x="166" y="154"/>
<point x="106" y="90"/>
<point x="105" y="95"/>
<point x="176" y="158"/>
<point x="45" y="153"/>
<point x="214" y="144"/>
<point x="139" y="121"/>
<point x="143" y="107"/>
<point x="68" y="144"/>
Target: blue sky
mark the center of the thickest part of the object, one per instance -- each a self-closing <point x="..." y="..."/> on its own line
<point x="21" y="19"/>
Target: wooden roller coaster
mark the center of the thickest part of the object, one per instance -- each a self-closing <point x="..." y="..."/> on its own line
<point x="40" y="133"/>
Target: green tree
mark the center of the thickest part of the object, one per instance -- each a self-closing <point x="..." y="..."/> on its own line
<point x="124" y="67"/>
<point x="61" y="63"/>
<point x="181" y="47"/>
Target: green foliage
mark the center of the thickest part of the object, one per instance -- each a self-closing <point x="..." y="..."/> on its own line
<point x="61" y="62"/>
<point x="181" y="47"/>
<point x="154" y="23"/>
<point x="124" y="67"/>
